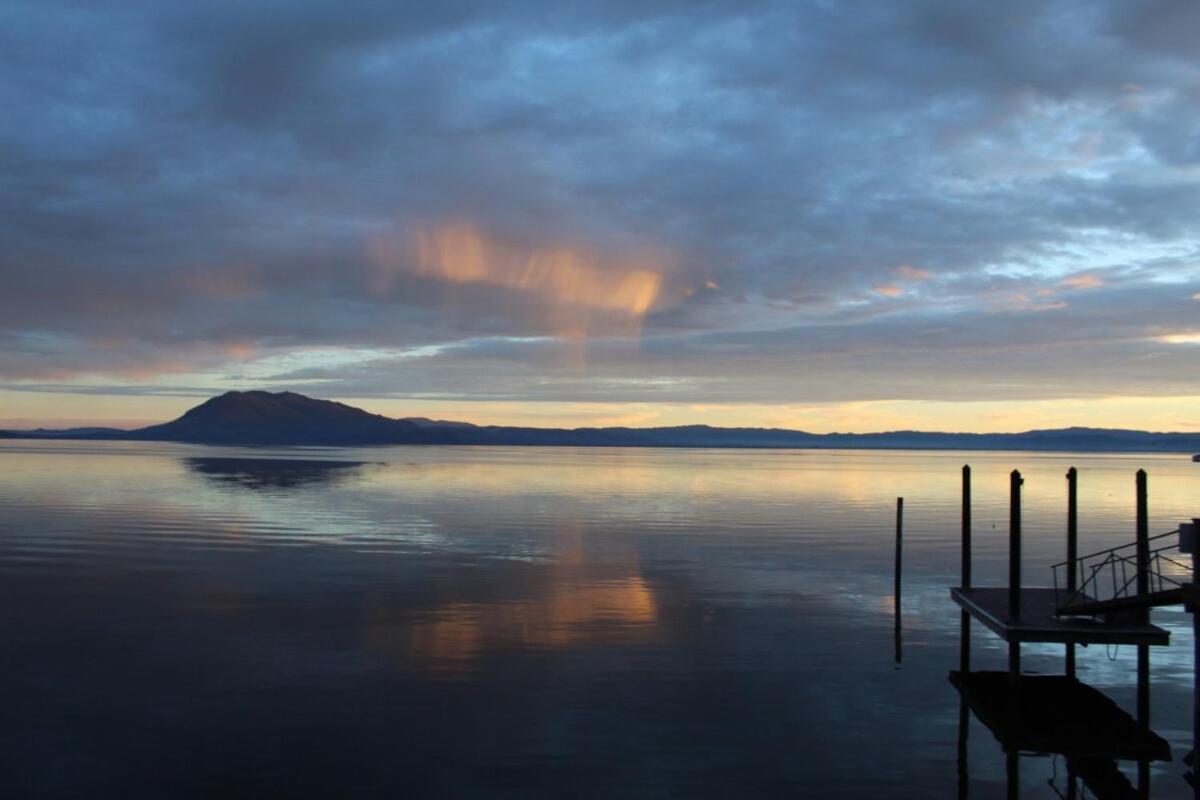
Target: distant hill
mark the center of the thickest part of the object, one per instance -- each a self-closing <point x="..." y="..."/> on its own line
<point x="283" y="418"/>
<point x="287" y="418"/>
<point x="66" y="433"/>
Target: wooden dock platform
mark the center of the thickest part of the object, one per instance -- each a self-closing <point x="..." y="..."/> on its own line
<point x="1057" y="714"/>
<point x="1038" y="621"/>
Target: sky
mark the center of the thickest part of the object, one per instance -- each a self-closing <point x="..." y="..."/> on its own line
<point x="817" y="215"/>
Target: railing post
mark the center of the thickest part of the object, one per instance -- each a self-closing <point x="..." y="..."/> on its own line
<point x="1072" y="550"/>
<point x="1014" y="545"/>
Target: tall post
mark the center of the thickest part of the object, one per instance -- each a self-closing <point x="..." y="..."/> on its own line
<point x="899" y="565"/>
<point x="1072" y="527"/>
<point x="1143" y="651"/>
<point x="1143" y="588"/>
<point x="1014" y="578"/>
<point x="964" y="638"/>
<point x="1014" y="546"/>
<point x="966" y="526"/>
<point x="1143" y="536"/>
<point x="1072" y="550"/>
<point x="1195" y="660"/>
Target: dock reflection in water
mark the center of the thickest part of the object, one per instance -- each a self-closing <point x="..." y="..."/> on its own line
<point x="1061" y="716"/>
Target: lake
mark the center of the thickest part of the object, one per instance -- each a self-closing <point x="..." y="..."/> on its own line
<point x="512" y="622"/>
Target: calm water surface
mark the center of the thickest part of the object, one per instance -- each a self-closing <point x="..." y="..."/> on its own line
<point x="460" y="622"/>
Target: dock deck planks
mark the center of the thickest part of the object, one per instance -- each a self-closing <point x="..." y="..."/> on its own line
<point x="1038" y="622"/>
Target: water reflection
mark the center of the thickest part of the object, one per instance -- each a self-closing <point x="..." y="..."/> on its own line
<point x="1059" y="715"/>
<point x="481" y="622"/>
<point x="565" y="614"/>
<point x="271" y="473"/>
<point x="557" y="602"/>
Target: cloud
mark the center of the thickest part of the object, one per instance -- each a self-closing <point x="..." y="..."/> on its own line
<point x="911" y="273"/>
<point x="210" y="186"/>
<point x="1084" y="281"/>
<point x="1188" y="337"/>
<point x="580" y="291"/>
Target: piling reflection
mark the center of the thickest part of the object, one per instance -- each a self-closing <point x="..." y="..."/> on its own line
<point x="1060" y="715"/>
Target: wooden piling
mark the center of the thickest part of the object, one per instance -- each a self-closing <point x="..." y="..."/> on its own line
<point x="1072" y="527"/>
<point x="1143" y="587"/>
<point x="1072" y="549"/>
<point x="899" y="567"/>
<point x="1195" y="660"/>
<point x="964" y="638"/>
<point x="1014" y="578"/>
<point x="1014" y="545"/>
<point x="966" y="526"/>
<point x="1143" y="536"/>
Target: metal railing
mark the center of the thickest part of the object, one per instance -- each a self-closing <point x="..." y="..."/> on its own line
<point x="1112" y="574"/>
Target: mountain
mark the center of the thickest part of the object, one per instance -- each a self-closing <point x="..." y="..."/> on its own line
<point x="283" y="418"/>
<point x="287" y="418"/>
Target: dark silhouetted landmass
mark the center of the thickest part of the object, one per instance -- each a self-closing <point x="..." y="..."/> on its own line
<point x="286" y="418"/>
<point x="67" y="433"/>
<point x="283" y="418"/>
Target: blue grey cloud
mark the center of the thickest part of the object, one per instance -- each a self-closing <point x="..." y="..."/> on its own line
<point x="856" y="202"/>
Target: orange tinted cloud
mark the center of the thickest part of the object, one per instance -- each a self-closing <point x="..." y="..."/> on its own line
<point x="1020" y="301"/>
<point x="240" y="350"/>
<point x="1085" y="281"/>
<point x="130" y="360"/>
<point x="581" y="290"/>
<point x="141" y="371"/>
<point x="888" y="291"/>
<point x="911" y="273"/>
<point x="1186" y="337"/>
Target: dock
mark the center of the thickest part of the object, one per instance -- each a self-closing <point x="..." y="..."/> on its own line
<point x="1059" y="714"/>
<point x="1040" y="622"/>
